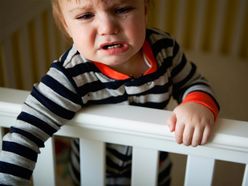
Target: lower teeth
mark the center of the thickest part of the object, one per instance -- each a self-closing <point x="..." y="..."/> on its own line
<point x="114" y="46"/>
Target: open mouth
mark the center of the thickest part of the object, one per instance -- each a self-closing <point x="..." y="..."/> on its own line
<point x="112" y="46"/>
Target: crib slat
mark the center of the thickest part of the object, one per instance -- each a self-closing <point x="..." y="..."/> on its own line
<point x="162" y="14"/>
<point x="51" y="36"/>
<point x="27" y="73"/>
<point x="44" y="174"/>
<point x="40" y="46"/>
<point x="180" y="22"/>
<point x="8" y="64"/>
<point x="219" y="25"/>
<point x="199" y="171"/>
<point x="238" y="28"/>
<point x="245" y="177"/>
<point x="92" y="165"/>
<point x="199" y="24"/>
<point x="144" y="167"/>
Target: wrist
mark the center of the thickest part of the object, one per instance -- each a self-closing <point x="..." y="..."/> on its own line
<point x="205" y="100"/>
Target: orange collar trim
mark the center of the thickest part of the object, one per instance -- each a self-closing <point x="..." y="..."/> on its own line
<point x="106" y="70"/>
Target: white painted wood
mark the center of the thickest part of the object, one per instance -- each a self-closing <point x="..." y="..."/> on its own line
<point x="25" y="55"/>
<point x="44" y="172"/>
<point x="92" y="165"/>
<point x="144" y="167"/>
<point x="136" y="127"/>
<point x="245" y="177"/>
<point x="129" y="125"/>
<point x="199" y="171"/>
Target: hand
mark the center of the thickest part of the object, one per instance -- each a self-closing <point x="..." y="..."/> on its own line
<point x="192" y="124"/>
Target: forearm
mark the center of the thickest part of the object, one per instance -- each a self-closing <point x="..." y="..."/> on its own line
<point x="45" y="110"/>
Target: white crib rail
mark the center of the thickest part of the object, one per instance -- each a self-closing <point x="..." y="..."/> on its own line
<point x="142" y="128"/>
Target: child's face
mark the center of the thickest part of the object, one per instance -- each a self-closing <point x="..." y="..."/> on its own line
<point x="107" y="31"/>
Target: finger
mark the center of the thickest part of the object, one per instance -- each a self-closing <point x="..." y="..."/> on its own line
<point x="197" y="137"/>
<point x="172" y="122"/>
<point x="206" y="135"/>
<point x="179" y="132"/>
<point x="187" y="135"/>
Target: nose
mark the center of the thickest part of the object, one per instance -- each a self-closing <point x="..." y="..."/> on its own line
<point x="108" y="25"/>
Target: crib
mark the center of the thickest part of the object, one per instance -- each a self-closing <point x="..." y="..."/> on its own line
<point x="133" y="126"/>
<point x="33" y="41"/>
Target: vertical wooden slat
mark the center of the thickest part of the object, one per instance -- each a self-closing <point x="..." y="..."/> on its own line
<point x="199" y="171"/>
<point x="8" y="64"/>
<point x="245" y="177"/>
<point x="180" y="20"/>
<point x="44" y="174"/>
<point x="25" y="56"/>
<point x="92" y="162"/>
<point x="39" y="47"/>
<point x="219" y="25"/>
<point x="161" y="14"/>
<point x="51" y="38"/>
<point x="199" y="25"/>
<point x="238" y="27"/>
<point x="144" y="167"/>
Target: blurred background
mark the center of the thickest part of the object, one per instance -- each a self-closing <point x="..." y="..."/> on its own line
<point x="213" y="34"/>
<point x="27" y="28"/>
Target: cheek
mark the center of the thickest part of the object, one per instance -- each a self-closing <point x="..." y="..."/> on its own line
<point x="137" y="30"/>
<point x="81" y="38"/>
<point x="84" y="45"/>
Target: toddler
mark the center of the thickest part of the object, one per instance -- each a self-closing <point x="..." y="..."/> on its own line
<point x="114" y="59"/>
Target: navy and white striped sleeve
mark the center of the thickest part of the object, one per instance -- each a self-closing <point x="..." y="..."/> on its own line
<point x="51" y="103"/>
<point x="185" y="76"/>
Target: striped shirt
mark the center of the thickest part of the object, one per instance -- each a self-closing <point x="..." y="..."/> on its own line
<point x="73" y="82"/>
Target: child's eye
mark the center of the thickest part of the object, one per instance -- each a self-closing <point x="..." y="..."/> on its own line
<point x="85" y="16"/>
<point x="123" y="10"/>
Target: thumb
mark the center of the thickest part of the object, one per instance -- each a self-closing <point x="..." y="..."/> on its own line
<point x="172" y="122"/>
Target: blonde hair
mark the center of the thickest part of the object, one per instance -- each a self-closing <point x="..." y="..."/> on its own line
<point x="59" y="18"/>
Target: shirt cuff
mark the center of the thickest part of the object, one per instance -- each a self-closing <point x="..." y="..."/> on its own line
<point x="203" y="99"/>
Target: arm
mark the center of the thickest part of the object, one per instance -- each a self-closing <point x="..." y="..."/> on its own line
<point x="194" y="117"/>
<point x="193" y="120"/>
<point x="51" y="103"/>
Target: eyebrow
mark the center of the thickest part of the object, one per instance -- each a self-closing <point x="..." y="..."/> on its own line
<point x="88" y="4"/>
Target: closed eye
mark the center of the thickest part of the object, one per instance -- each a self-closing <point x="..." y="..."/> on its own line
<point x="123" y="10"/>
<point x="85" y="16"/>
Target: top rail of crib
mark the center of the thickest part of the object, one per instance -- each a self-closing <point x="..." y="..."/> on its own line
<point x="137" y="126"/>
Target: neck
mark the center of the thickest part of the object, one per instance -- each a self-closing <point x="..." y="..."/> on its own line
<point x="135" y="67"/>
